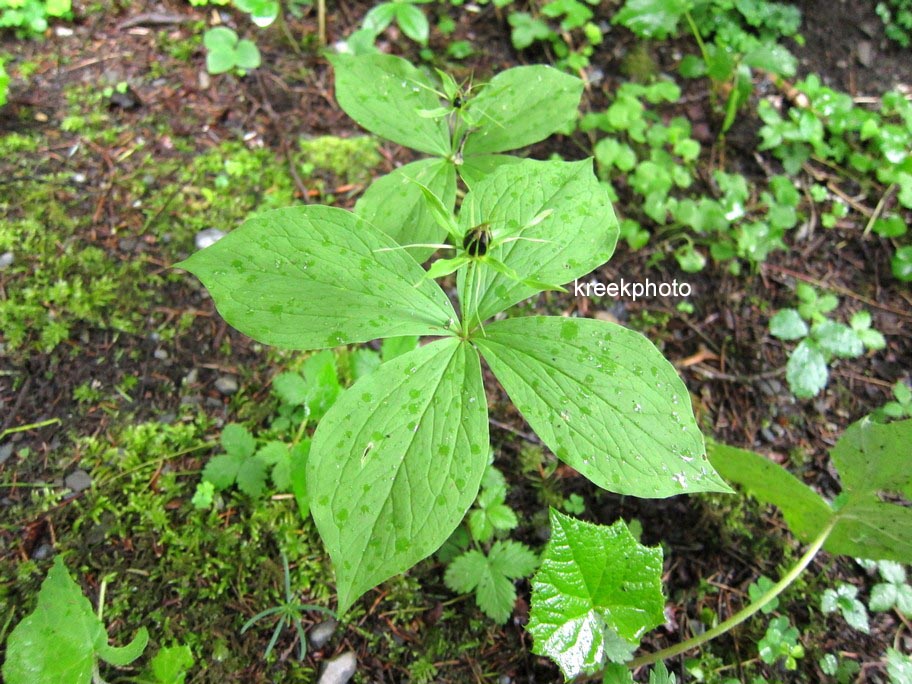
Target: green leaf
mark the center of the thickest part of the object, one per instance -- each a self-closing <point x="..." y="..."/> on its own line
<point x="521" y="106"/>
<point x="899" y="667"/>
<point x="218" y="61"/>
<point x="579" y="234"/>
<point x="651" y="18"/>
<point x="170" y="664"/>
<point x="526" y="29"/>
<point x="412" y="22"/>
<point x="58" y="8"/>
<point x="806" y="370"/>
<point x="251" y="476"/>
<point x="290" y="388"/>
<point x="491" y="577"/>
<point x="396" y="205"/>
<point x="397" y="346"/>
<point x="804" y="510"/>
<point x="787" y="324"/>
<point x="247" y="55"/>
<point x="480" y="166"/>
<point x="221" y="471"/>
<point x="220" y="39"/>
<point x="237" y="441"/>
<point x="844" y="599"/>
<point x="314" y="277"/>
<point x="396" y="463"/>
<point x="59" y="640"/>
<point x="262" y="12"/>
<point x="380" y="17"/>
<point x="771" y="57"/>
<point x="604" y="400"/>
<point x="297" y="473"/>
<point x="872" y="518"/>
<point x="837" y="339"/>
<point x="384" y="93"/>
<point x="594" y="583"/>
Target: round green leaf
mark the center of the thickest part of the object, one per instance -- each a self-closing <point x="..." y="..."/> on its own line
<point x="247" y="55"/>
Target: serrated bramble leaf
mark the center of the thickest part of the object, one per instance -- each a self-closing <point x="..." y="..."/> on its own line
<point x="396" y="463"/>
<point x="237" y="441"/>
<point x="464" y="573"/>
<point x="502" y="517"/>
<point x="280" y="279"/>
<point x="604" y="400"/>
<point x="595" y="585"/>
<point x="290" y="388"/>
<point x="480" y="526"/>
<point x="222" y="470"/>
<point x="171" y="663"/>
<point x="513" y="559"/>
<point x="251" y="476"/>
<point x="787" y="324"/>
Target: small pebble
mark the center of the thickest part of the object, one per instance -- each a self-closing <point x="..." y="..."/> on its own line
<point x="226" y="384"/>
<point x="6" y="260"/>
<point x="160" y="354"/>
<point x="42" y="552"/>
<point x="78" y="480"/>
<point x="340" y="669"/>
<point x="865" y="52"/>
<point x="208" y="237"/>
<point x="6" y="450"/>
<point x="321" y="634"/>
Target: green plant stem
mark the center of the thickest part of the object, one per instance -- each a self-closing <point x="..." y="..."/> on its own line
<point x="745" y="613"/>
<point x="30" y="426"/>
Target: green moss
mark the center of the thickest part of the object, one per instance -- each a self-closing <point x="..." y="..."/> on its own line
<point x="350" y="160"/>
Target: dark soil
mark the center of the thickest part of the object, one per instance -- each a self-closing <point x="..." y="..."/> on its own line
<point x="734" y="370"/>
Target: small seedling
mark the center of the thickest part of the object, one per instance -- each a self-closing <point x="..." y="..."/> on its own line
<point x="226" y="52"/>
<point x="289" y="613"/>
<point x="822" y="341"/>
<point x="844" y="599"/>
<point x="781" y="643"/>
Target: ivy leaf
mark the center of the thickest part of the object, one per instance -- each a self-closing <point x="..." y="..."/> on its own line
<point x="396" y="463"/>
<point x="384" y="94"/>
<point x="871" y="518"/>
<point x="279" y="279"/>
<point x="806" y="370"/>
<point x="395" y="203"/>
<point x="578" y="234"/>
<point x="604" y="400"/>
<point x="491" y="576"/>
<point x="787" y="324"/>
<point x="595" y="585"/>
<point x="522" y="106"/>
<point x="59" y="640"/>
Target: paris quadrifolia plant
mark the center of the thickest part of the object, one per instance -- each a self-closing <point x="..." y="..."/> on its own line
<point x="397" y="461"/>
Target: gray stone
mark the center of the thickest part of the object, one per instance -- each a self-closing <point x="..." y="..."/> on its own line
<point x="226" y="384"/>
<point x="6" y="260"/>
<point x="160" y="354"/>
<point x="42" y="552"/>
<point x="340" y="669"/>
<point x="6" y="450"/>
<point x="865" y="52"/>
<point x="78" y="480"/>
<point x="207" y="237"/>
<point x="321" y="634"/>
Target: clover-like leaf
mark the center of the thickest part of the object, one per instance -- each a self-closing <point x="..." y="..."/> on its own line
<point x="314" y="277"/>
<point x="396" y="463"/>
<point x="604" y="400"/>
<point x="596" y="585"/>
<point x="787" y="324"/>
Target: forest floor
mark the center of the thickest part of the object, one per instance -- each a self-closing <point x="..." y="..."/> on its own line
<point x="133" y="372"/>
